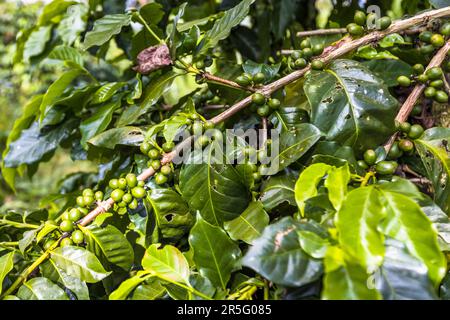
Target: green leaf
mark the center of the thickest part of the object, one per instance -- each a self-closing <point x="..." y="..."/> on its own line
<point x="278" y="255"/>
<point x="99" y="121"/>
<point x="41" y="289"/>
<point x="313" y="244"/>
<point x="128" y="136"/>
<point x="283" y="15"/>
<point x="55" y="274"/>
<point x="110" y="243"/>
<point x="389" y="70"/>
<point x="73" y="24"/>
<point x="79" y="263"/>
<point x="198" y="282"/>
<point x="152" y="13"/>
<point x="215" y="189"/>
<point x="65" y="53"/>
<point x="56" y="90"/>
<point x="36" y="42"/>
<point x="391" y="40"/>
<point x="336" y="183"/>
<point x="53" y="10"/>
<point x="33" y="145"/>
<point x="216" y="256"/>
<point x="293" y="145"/>
<point x="344" y="279"/>
<point x="351" y="105"/>
<point x="288" y="117"/>
<point x="171" y="213"/>
<point x="127" y="286"/>
<point x="369" y="52"/>
<point x="252" y="68"/>
<point x="357" y="223"/>
<point x="149" y="290"/>
<point x="439" y="3"/>
<point x="222" y="27"/>
<point x="435" y="141"/>
<point x="406" y="222"/>
<point x="27" y="239"/>
<point x="154" y="91"/>
<point x="46" y="229"/>
<point x="166" y="262"/>
<point x="173" y="126"/>
<point x="306" y="185"/>
<point x="403" y="277"/>
<point x="105" y="28"/>
<point x="277" y="190"/>
<point x="6" y="265"/>
<point x="249" y="225"/>
<point x="105" y="92"/>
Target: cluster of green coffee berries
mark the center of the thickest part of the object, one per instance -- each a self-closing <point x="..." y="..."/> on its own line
<point x="433" y="78"/>
<point x="403" y="146"/>
<point x="263" y="106"/>
<point x="126" y="192"/>
<point x="357" y="27"/>
<point x="431" y="41"/>
<point x="163" y="172"/>
<point x="299" y="58"/>
<point x="246" y="79"/>
<point x="206" y="97"/>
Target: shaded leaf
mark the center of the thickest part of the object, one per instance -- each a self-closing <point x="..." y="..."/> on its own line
<point x="41" y="289"/>
<point x="105" y="28"/>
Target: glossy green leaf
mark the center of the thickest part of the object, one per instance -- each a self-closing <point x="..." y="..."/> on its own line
<point x="351" y="105"/>
<point x="156" y="89"/>
<point x="27" y="239"/>
<point x="313" y="244"/>
<point x="306" y="185"/>
<point x="79" y="263"/>
<point x="293" y="144"/>
<point x="151" y="289"/>
<point x="65" y="53"/>
<point x="389" y="70"/>
<point x="215" y="189"/>
<point x="36" y="42"/>
<point x="105" y="28"/>
<point x="216" y="256"/>
<point x="357" y="223"/>
<point x="105" y="92"/>
<point x="249" y="225"/>
<point x="56" y="90"/>
<point x="73" y="24"/>
<point x="166" y="262"/>
<point x="33" y="145"/>
<point x="109" y="242"/>
<point x="6" y="265"/>
<point x="277" y="190"/>
<point x="403" y="277"/>
<point x="55" y="274"/>
<point x="41" y="289"/>
<point x="278" y="255"/>
<point x="222" y="27"/>
<point x="198" y="282"/>
<point x="406" y="222"/>
<point x="171" y="213"/>
<point x="98" y="122"/>
<point x="127" y="286"/>
<point x="269" y="71"/>
<point x="336" y="183"/>
<point x="128" y="136"/>
<point x="288" y="117"/>
<point x="46" y="229"/>
<point x="53" y="10"/>
<point x="345" y="280"/>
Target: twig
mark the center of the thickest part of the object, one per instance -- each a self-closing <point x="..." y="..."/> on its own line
<point x="340" y="48"/>
<point x="321" y="32"/>
<point x="264" y="125"/>
<point x="215" y="106"/>
<point x="408" y="105"/>
<point x="210" y="77"/>
<point x="446" y="84"/>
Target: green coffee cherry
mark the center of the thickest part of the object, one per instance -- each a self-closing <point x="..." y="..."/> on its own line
<point x="300" y="63"/>
<point x="131" y="180"/>
<point x="127" y="197"/>
<point x="317" y="65"/>
<point x="416" y="131"/>
<point x="441" y="97"/>
<point x="88" y="193"/>
<point x="404" y="81"/>
<point x="66" y="226"/>
<point x="74" y="214"/>
<point x="445" y="29"/>
<point x="307" y="53"/>
<point x="88" y="200"/>
<point x="362" y="165"/>
<point x="145" y="147"/>
<point x="154" y="153"/>
<point x="360" y="18"/>
<point x="258" y="98"/>
<point x="423" y="78"/>
<point x="259" y="78"/>
<point x="274" y="103"/>
<point x="385" y="22"/>
<point x="425" y="36"/>
<point x="141" y="183"/>
<point x="427" y="49"/>
<point x="48" y="244"/>
<point x="66" y="242"/>
<point x="317" y="49"/>
<point x="395" y="152"/>
<point x="117" y="195"/>
<point x="166" y="170"/>
<point x="418" y="68"/>
<point x="406" y="145"/>
<point x="437" y="84"/>
<point x="263" y="111"/>
<point x="133" y="204"/>
<point x="355" y="30"/>
<point x="386" y="167"/>
<point x="405" y="127"/>
<point x="155" y="164"/>
<point x="80" y="201"/>
<point x="429" y="92"/>
<point x="296" y="54"/>
<point x="370" y="157"/>
<point x="168" y="146"/>
<point x="160" y="179"/>
<point x="65" y="215"/>
<point x="306" y="43"/>
<point x="99" y="195"/>
<point x="416" y="111"/>
<point x="434" y="73"/>
<point x="122" y="183"/>
<point x="114" y="183"/>
<point x="77" y="237"/>
<point x="437" y="40"/>
<point x="243" y="81"/>
<point x="138" y="192"/>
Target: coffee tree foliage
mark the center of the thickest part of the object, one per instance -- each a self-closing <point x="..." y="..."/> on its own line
<point x="357" y="208"/>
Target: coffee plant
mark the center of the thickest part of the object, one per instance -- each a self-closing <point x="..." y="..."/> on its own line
<point x="347" y="101"/>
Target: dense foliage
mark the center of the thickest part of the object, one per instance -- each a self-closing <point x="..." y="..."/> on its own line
<point x="356" y="209"/>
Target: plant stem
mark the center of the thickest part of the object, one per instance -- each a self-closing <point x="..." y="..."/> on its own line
<point x="210" y="77"/>
<point x="366" y="179"/>
<point x="9" y="244"/>
<point x="321" y="32"/>
<point x="141" y="19"/>
<point x="19" y="224"/>
<point x="415" y="94"/>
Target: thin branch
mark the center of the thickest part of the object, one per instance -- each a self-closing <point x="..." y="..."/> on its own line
<point x="446" y="84"/>
<point x="340" y="48"/>
<point x="408" y="105"/>
<point x="210" y="77"/>
<point x="215" y="106"/>
<point x="321" y="32"/>
<point x="264" y="126"/>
